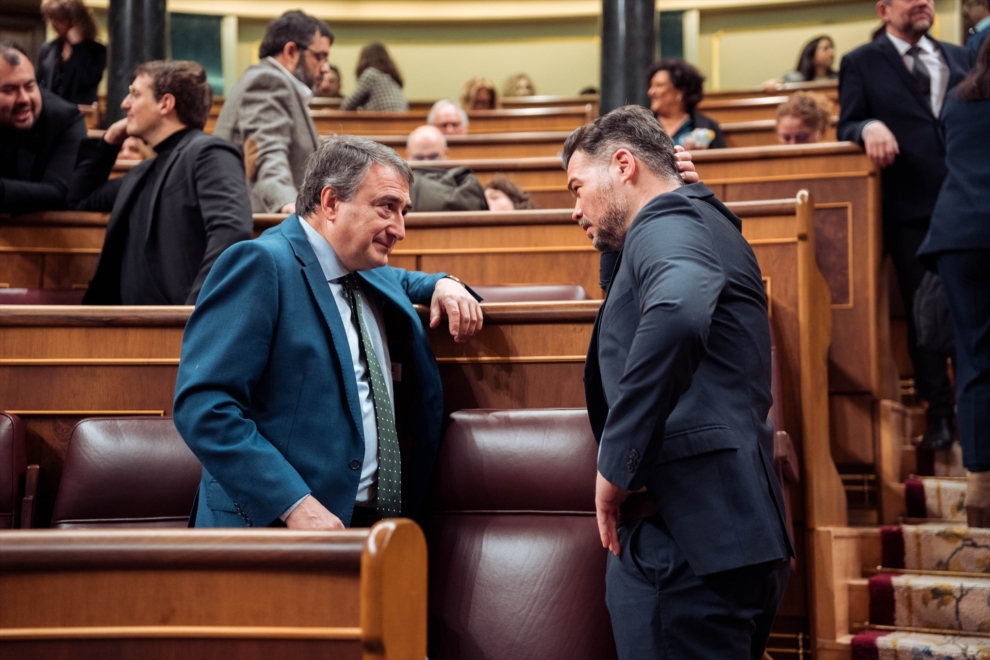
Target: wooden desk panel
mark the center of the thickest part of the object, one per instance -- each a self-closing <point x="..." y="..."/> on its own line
<point x="354" y="594"/>
<point x="481" y="121"/>
<point x="547" y="144"/>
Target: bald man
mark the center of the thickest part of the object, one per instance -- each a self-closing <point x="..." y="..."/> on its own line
<point x="426" y="143"/>
<point x="440" y="189"/>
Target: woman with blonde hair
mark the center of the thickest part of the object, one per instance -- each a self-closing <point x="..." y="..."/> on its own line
<point x="379" y="85"/>
<point x="479" y="94"/>
<point x="72" y="64"/>
<point x="519" y="85"/>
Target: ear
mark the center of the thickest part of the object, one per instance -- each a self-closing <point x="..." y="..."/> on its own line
<point x="329" y="203"/>
<point x="624" y="165"/>
<point x="166" y="104"/>
<point x="290" y="51"/>
<point x="882" y="10"/>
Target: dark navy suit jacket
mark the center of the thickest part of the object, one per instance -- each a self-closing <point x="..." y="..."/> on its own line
<point x="874" y="84"/>
<point x="266" y="395"/>
<point x="961" y="220"/>
<point x="678" y="382"/>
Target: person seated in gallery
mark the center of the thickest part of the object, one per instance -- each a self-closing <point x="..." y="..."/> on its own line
<point x="479" y="94"/>
<point x="329" y="85"/>
<point x="40" y="135"/>
<point x="439" y="189"/>
<point x="519" y="85"/>
<point x="449" y="117"/>
<point x="173" y="215"/>
<point x="135" y="149"/>
<point x="675" y="90"/>
<point x="379" y="85"/>
<point x="504" y="195"/>
<point x="802" y="119"/>
<point x="814" y="64"/>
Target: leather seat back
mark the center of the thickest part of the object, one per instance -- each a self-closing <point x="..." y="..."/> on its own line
<point x="511" y="293"/>
<point x="516" y="566"/>
<point x="126" y="472"/>
<point x="12" y="466"/>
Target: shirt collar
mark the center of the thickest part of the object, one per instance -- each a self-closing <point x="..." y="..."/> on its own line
<point x="304" y="92"/>
<point x="982" y="25"/>
<point x="925" y="45"/>
<point x="331" y="264"/>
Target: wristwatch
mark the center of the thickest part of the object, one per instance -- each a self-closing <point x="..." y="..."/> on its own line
<point x="451" y="277"/>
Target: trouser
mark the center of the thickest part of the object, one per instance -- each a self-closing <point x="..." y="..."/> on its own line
<point x="966" y="280"/>
<point x="931" y="378"/>
<point x="661" y="609"/>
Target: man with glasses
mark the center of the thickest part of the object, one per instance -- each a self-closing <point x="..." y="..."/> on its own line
<point x="267" y="115"/>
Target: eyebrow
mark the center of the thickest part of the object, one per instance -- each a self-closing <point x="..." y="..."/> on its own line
<point x="390" y="199"/>
<point x="571" y="182"/>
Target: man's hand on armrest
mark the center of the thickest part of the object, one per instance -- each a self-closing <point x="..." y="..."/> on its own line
<point x="310" y="514"/>
<point x="463" y="311"/>
<point x="880" y="144"/>
<point x="685" y="165"/>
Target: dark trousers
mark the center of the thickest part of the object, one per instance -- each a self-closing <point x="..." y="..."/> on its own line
<point x="966" y="279"/>
<point x="931" y="377"/>
<point x="661" y="609"/>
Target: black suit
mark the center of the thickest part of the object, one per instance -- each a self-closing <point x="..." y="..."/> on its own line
<point x="36" y="165"/>
<point x="199" y="207"/>
<point x="76" y="80"/>
<point x="875" y="84"/>
<point x="678" y="388"/>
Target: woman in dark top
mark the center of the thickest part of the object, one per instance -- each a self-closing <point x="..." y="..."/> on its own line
<point x="675" y="92"/>
<point x="958" y="245"/>
<point x="71" y="65"/>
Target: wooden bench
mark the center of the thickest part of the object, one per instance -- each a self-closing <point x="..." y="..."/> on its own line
<point x="747" y="109"/>
<point x="763" y="133"/>
<point x="161" y="594"/>
<point x="545" y="144"/>
<point x="91" y="114"/>
<point x="827" y="88"/>
<point x="481" y="121"/>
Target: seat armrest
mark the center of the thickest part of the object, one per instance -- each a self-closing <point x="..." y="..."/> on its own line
<point x="30" y="493"/>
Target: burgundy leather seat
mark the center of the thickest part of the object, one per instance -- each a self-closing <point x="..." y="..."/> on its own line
<point x="126" y="472"/>
<point x="517" y="570"/>
<point x="41" y="296"/>
<point x="12" y="467"/>
<point x="510" y="293"/>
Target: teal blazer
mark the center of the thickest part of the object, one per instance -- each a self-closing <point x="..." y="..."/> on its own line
<point x="266" y="395"/>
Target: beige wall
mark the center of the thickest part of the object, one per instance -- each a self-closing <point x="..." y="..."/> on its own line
<point x="742" y="48"/>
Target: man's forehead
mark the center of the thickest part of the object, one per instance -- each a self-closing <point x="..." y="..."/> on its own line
<point x="20" y="73"/>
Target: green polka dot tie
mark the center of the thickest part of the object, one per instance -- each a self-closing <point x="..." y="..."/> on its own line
<point x="389" y="459"/>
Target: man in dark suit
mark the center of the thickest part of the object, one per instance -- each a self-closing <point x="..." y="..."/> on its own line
<point x="172" y="215"/>
<point x="891" y="93"/>
<point x="39" y="138"/>
<point x="678" y="388"/>
<point x="307" y="387"/>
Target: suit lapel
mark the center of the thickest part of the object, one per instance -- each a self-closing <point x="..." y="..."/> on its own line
<point x="301" y="108"/>
<point x="156" y="191"/>
<point x="897" y="62"/>
<point x="316" y="279"/>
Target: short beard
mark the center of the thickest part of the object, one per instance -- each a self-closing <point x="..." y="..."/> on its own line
<point x="302" y="72"/>
<point x="610" y="234"/>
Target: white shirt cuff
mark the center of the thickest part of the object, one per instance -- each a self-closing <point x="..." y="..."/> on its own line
<point x="292" y="508"/>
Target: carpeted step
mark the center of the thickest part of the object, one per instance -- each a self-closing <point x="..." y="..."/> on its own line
<point x="880" y="645"/>
<point x="941" y="498"/>
<point x="946" y="463"/>
<point x="936" y="547"/>
<point x="937" y="602"/>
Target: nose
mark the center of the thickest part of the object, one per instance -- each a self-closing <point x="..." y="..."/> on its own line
<point x="398" y="227"/>
<point x="578" y="214"/>
<point x="22" y="96"/>
<point x="126" y="103"/>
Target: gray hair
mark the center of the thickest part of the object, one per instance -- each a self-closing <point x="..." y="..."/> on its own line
<point x="11" y="52"/>
<point x="444" y="102"/>
<point x="341" y="163"/>
<point x="630" y="127"/>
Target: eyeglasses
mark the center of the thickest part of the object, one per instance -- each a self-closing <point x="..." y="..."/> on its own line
<point x="320" y="56"/>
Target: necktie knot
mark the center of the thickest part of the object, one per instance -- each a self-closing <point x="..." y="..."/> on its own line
<point x="349" y="281"/>
<point x="914" y="51"/>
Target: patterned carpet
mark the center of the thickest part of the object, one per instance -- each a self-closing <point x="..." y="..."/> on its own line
<point x="939" y="498"/>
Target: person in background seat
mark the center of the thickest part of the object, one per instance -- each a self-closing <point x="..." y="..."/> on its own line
<point x="40" y="135"/>
<point x="71" y="65"/>
<point x="519" y="85"/>
<point x="479" y="94"/>
<point x="503" y="195"/>
<point x="815" y="63"/>
<point x="170" y="216"/>
<point x="379" y="85"/>
<point x="675" y="90"/>
<point x="449" y="117"/>
<point x="436" y="189"/>
<point x="802" y="119"/>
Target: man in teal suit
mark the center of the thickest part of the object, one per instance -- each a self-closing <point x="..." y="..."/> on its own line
<point x="307" y="387"/>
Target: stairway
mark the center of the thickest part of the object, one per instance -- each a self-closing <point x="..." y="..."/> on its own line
<point x="930" y="595"/>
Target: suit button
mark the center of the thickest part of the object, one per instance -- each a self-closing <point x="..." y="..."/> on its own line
<point x="355" y="464"/>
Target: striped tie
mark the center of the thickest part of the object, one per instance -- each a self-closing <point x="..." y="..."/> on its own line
<point x="389" y="459"/>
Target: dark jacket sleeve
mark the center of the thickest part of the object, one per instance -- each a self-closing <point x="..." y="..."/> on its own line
<point x="223" y="202"/>
<point x="854" y="108"/>
<point x="48" y="194"/>
<point x="680" y="278"/>
<point x="92" y="189"/>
